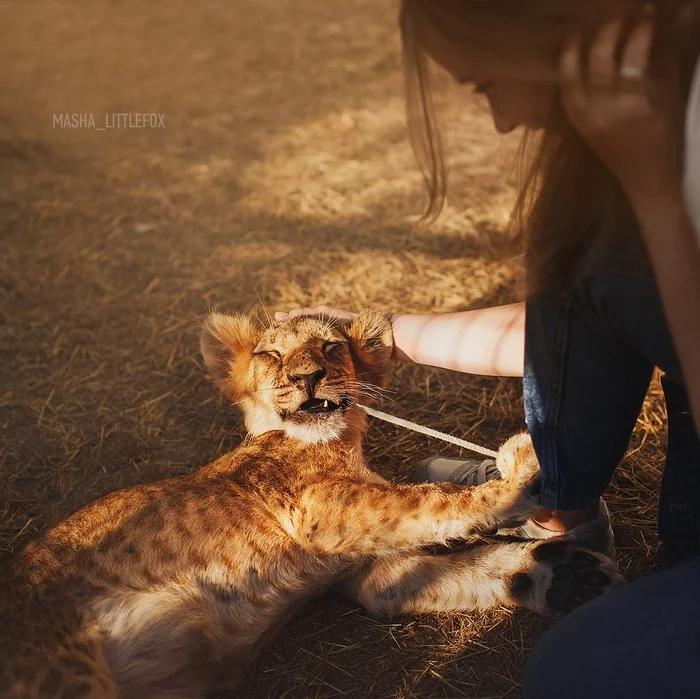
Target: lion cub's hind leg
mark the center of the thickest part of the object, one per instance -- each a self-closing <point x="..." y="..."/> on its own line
<point x="40" y="667"/>
<point x="547" y="577"/>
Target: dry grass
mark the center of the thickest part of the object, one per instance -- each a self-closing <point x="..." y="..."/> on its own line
<point x="283" y="172"/>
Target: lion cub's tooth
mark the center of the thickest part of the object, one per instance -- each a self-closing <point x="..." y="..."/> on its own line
<point x="325" y="403"/>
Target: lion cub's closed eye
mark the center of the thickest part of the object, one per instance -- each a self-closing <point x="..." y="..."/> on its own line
<point x="169" y="589"/>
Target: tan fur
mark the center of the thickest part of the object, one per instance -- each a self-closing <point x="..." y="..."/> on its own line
<point x="169" y="589"/>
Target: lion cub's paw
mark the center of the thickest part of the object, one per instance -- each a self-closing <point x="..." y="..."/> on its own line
<point x="516" y="460"/>
<point x="559" y="576"/>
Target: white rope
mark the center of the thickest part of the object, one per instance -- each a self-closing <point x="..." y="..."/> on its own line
<point x="426" y="431"/>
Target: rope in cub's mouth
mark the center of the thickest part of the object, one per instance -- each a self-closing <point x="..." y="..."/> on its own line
<point x="428" y="431"/>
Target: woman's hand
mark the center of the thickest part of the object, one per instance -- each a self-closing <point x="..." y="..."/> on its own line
<point x="322" y="312"/>
<point x="618" y="109"/>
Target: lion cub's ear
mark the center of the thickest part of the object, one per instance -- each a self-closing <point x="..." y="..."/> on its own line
<point x="227" y="343"/>
<point x="372" y="343"/>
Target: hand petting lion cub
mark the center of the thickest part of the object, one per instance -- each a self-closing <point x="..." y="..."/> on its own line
<point x="169" y="589"/>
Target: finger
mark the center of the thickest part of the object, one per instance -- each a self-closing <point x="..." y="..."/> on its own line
<point x="327" y="312"/>
<point x="288" y="315"/>
<point x="635" y="55"/>
<point x="306" y="311"/>
<point x="570" y="75"/>
<point x="323" y="312"/>
<point x="319" y="311"/>
<point x="602" y="66"/>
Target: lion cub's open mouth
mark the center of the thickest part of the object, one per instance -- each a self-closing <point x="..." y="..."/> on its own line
<point x="322" y="405"/>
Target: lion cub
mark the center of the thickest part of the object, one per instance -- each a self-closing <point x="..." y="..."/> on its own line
<point x="169" y="589"/>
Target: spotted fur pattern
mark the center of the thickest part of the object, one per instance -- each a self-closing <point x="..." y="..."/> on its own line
<point x="169" y="589"/>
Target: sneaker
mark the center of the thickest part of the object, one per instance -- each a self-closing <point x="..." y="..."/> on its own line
<point x="596" y="534"/>
<point x="461" y="471"/>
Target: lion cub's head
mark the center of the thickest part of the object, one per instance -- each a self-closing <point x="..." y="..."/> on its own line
<point x="300" y="375"/>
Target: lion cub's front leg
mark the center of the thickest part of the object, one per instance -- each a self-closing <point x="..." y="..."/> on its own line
<point x="347" y="516"/>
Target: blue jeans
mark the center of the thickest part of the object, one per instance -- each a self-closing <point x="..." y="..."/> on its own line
<point x="590" y="353"/>
<point x="641" y="641"/>
<point x="589" y="356"/>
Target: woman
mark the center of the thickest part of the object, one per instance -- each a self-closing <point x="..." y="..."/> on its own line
<point x="610" y="211"/>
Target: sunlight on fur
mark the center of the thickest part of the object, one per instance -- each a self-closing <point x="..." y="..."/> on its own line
<point x="171" y="589"/>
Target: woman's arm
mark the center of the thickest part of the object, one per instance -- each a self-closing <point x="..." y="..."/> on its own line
<point x="488" y="341"/>
<point x="674" y="255"/>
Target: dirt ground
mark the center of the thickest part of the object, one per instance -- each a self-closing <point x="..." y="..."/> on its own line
<point x="282" y="176"/>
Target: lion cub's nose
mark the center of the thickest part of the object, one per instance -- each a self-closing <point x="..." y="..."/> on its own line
<point x="309" y="380"/>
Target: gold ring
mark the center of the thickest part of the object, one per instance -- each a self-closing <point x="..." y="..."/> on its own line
<point x="628" y="72"/>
